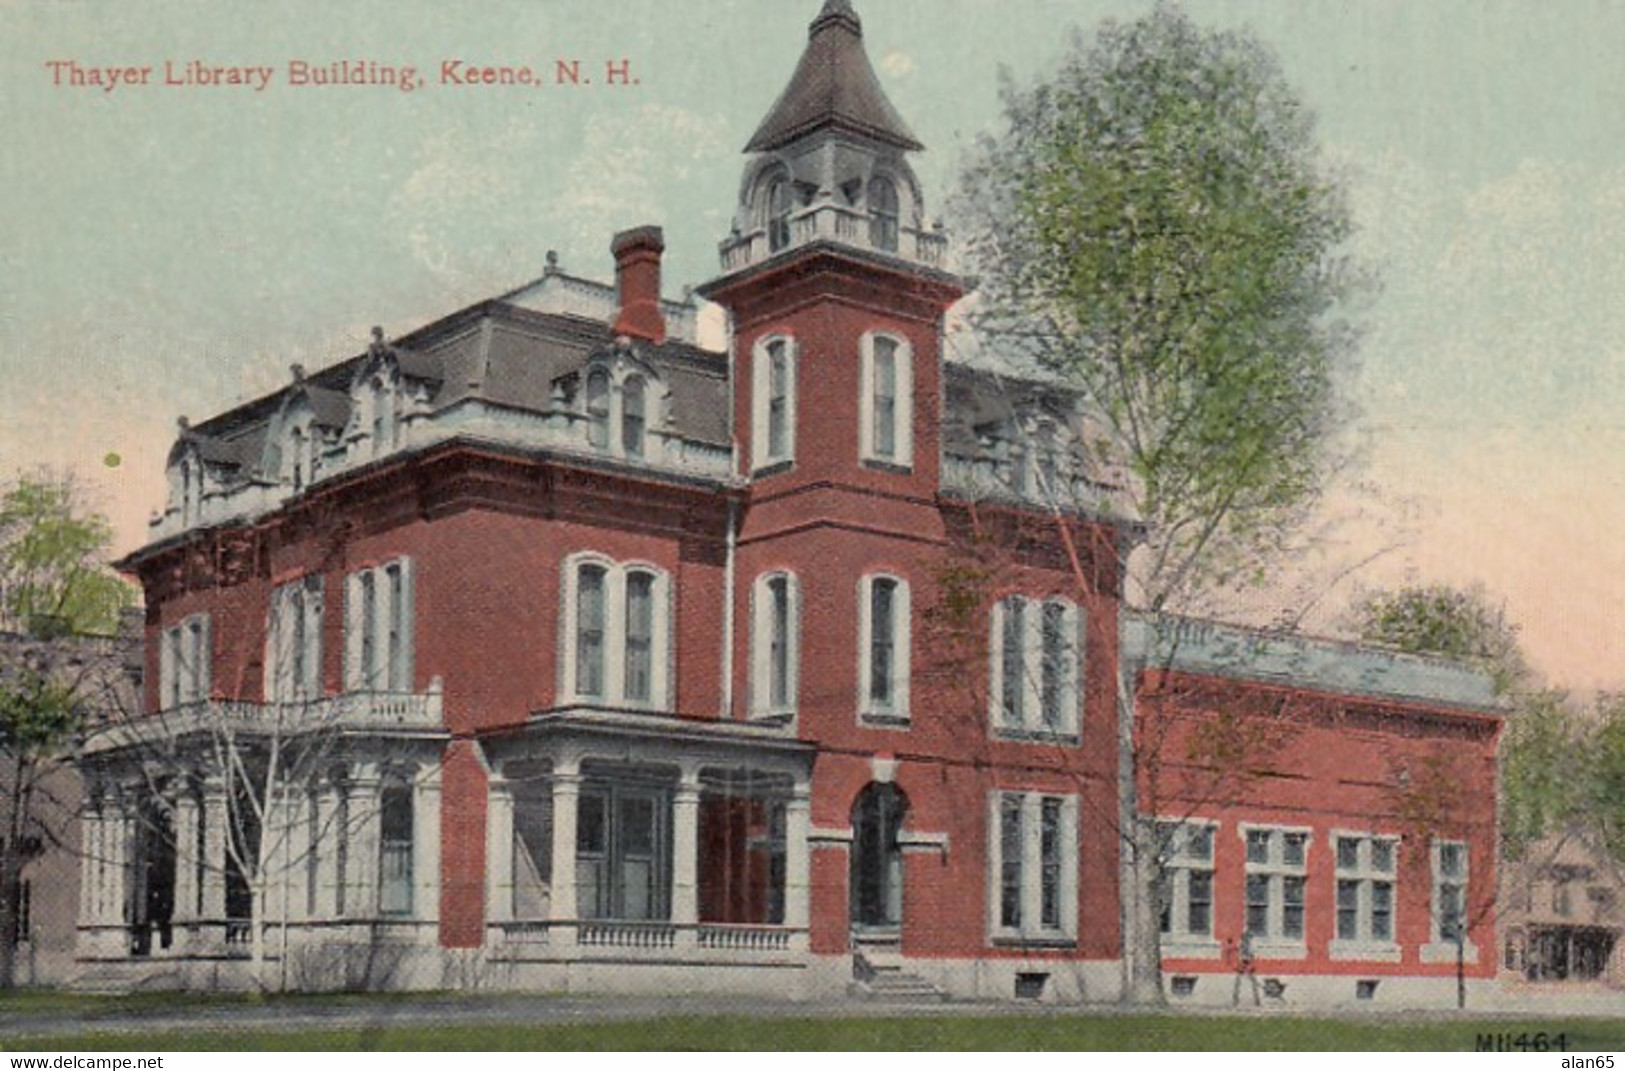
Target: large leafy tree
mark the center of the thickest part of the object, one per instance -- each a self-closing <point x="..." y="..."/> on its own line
<point x="1154" y="227"/>
<point x="56" y="586"/>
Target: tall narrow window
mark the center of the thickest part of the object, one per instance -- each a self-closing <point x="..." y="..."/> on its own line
<point x="1276" y="865"/>
<point x="774" y="609"/>
<point x="883" y="214"/>
<point x="598" y="410"/>
<point x="779" y="203"/>
<point x="1364" y="894"/>
<point x="1013" y="654"/>
<point x="184" y="657"/>
<point x="884" y="648"/>
<point x="1449" y="891"/>
<point x="886" y="408"/>
<point x="590" y="598"/>
<point x="293" y="669"/>
<point x="1187" y="881"/>
<point x="378" y="628"/>
<point x="1011" y="851"/>
<point x="1058" y="649"/>
<point x="399" y="672"/>
<point x="639" y="636"/>
<point x="395" y="851"/>
<point x="632" y="416"/>
<point x="369" y="629"/>
<point x="778" y="400"/>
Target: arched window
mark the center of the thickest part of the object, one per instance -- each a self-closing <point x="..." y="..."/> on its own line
<point x="775" y="642"/>
<point x="773" y="409"/>
<point x="632" y="416"/>
<point x="877" y="858"/>
<point x="598" y="410"/>
<point x="395" y="850"/>
<point x="617" y="617"/>
<point x="886" y="406"/>
<point x="883" y="213"/>
<point x="883" y="649"/>
<point x="779" y="203"/>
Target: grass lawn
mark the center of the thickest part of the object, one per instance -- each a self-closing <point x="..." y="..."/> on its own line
<point x="994" y="1032"/>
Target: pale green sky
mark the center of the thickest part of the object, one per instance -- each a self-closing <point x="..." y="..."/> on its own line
<point x="172" y="250"/>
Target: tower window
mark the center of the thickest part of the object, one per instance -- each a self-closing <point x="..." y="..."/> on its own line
<point x="773" y="408"/>
<point x="779" y="201"/>
<point x="883" y="214"/>
<point x="886" y="407"/>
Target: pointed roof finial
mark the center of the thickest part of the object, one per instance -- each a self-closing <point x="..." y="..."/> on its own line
<point x="834" y="85"/>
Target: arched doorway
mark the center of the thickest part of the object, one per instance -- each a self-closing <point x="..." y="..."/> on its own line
<point x="876" y="900"/>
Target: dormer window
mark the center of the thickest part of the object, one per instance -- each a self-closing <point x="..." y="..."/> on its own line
<point x="383" y="416"/>
<point x="883" y="214"/>
<point x="632" y="416"/>
<point x="598" y="410"/>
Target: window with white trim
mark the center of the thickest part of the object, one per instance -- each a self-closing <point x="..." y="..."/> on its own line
<point x="1037" y="648"/>
<point x="1277" y="863"/>
<point x="616" y="633"/>
<point x="773" y="402"/>
<point x="395" y="847"/>
<point x="1366" y="868"/>
<point x="886" y="402"/>
<point x="293" y="654"/>
<point x="1033" y="866"/>
<point x="1186" y="898"/>
<point x="775" y="645"/>
<point x="185" y="654"/>
<point x="597" y="402"/>
<point x="883" y="214"/>
<point x="883" y="648"/>
<point x="1449" y="891"/>
<point x="378" y="628"/>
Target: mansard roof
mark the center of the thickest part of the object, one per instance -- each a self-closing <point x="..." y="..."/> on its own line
<point x="834" y="87"/>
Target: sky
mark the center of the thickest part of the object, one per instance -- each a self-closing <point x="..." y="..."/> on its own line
<point x="173" y="249"/>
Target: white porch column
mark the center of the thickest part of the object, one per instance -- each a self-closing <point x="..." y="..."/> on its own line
<point x="499" y="851"/>
<point x="325" y="840"/>
<point x="797" y="863"/>
<point x="685" y="855"/>
<point x="361" y="883"/>
<point x="90" y="867"/>
<point x="117" y="825"/>
<point x="426" y="845"/>
<point x="215" y="821"/>
<point x="186" y="813"/>
<point x="298" y="874"/>
<point x="566" y="797"/>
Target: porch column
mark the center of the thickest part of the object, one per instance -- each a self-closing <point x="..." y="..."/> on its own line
<point x="685" y="855"/>
<point x="116" y="847"/>
<point x="499" y="851"/>
<point x="566" y="796"/>
<point x="298" y="875"/>
<point x="186" y="887"/>
<point x="215" y="819"/>
<point x="426" y="845"/>
<point x="361" y="884"/>
<point x="797" y="864"/>
<point x="327" y="836"/>
<point x="90" y="869"/>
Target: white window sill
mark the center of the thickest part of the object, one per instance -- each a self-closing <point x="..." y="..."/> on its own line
<point x="1445" y="952"/>
<point x="880" y="719"/>
<point x="1370" y="951"/>
<point x="1015" y="735"/>
<point x="1040" y="939"/>
<point x="1190" y="947"/>
<point x="1279" y="948"/>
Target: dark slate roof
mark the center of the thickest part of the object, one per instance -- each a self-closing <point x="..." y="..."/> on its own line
<point x="330" y="407"/>
<point x="834" y="86"/>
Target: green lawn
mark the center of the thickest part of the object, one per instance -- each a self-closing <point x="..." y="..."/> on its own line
<point x="927" y="1033"/>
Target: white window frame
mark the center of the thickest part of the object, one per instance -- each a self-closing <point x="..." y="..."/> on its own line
<point x="761" y="452"/>
<point x="896" y="711"/>
<point x="296" y="614"/>
<point x="1275" y="943"/>
<point x="903" y="412"/>
<point x="1440" y="948"/>
<point x="1179" y="865"/>
<point x="1031" y="927"/>
<point x="391" y="615"/>
<point x="615" y="634"/>
<point x="762" y="670"/>
<point x="1365" y="874"/>
<point x="185" y="662"/>
<point x="1030" y="721"/>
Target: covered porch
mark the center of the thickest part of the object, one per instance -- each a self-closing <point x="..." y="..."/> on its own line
<point x="618" y="839"/>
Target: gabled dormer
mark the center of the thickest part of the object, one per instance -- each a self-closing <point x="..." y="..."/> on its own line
<point x="618" y="404"/>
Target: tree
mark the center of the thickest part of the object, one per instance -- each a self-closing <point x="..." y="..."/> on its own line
<point x="1460" y="624"/>
<point x="1153" y="228"/>
<point x="55" y="582"/>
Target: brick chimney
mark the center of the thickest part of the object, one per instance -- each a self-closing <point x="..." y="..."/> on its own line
<point x="637" y="283"/>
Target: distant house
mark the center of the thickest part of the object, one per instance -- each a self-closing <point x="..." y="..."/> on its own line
<point x="1562" y="909"/>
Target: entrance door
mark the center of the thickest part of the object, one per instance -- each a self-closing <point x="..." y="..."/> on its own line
<point x="877" y="861"/>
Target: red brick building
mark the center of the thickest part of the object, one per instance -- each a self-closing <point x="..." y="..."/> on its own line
<point x="639" y="664"/>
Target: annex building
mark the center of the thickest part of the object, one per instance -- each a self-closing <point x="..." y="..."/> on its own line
<point x="545" y="647"/>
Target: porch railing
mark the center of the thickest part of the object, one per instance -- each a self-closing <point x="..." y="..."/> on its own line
<point x="652" y="936"/>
